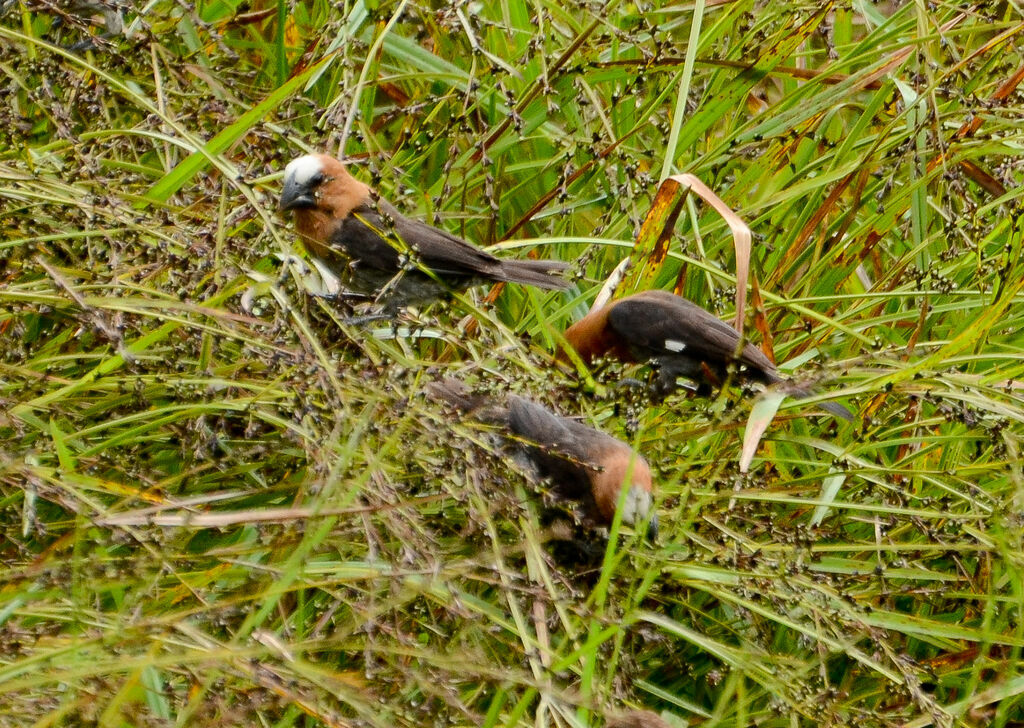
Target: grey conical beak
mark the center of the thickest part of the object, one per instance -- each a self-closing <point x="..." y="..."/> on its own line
<point x="652" y="528"/>
<point x="296" y="196"/>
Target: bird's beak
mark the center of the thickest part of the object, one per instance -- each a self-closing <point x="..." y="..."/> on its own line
<point x="652" y="528"/>
<point x="295" y="196"/>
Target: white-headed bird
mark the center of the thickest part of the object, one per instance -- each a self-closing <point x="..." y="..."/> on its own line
<point x="378" y="251"/>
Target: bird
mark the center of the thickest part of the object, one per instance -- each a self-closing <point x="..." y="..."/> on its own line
<point x="679" y="338"/>
<point x="582" y="463"/>
<point x="380" y="252"/>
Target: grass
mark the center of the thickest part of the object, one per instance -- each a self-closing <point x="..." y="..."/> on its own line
<point x="228" y="514"/>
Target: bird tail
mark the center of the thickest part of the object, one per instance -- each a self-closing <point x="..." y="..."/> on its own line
<point x="837" y="409"/>
<point x="800" y="392"/>
<point x="540" y="273"/>
<point x="479" y="406"/>
<point x="455" y="393"/>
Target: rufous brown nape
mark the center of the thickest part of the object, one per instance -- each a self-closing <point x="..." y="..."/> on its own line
<point x="377" y="251"/>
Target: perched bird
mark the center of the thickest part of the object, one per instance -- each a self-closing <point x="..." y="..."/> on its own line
<point x="679" y="337"/>
<point x="342" y="220"/>
<point x="582" y="463"/>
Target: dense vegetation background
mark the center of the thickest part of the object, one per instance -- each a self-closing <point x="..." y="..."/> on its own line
<point x="226" y="514"/>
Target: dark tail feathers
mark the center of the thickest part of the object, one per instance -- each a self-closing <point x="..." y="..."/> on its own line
<point x="479" y="406"/>
<point x="837" y="409"/>
<point x="540" y="273"/>
<point x="455" y="393"/>
<point x="800" y="392"/>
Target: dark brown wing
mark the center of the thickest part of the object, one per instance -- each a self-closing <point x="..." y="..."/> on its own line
<point x="479" y="406"/>
<point x="362" y="235"/>
<point x="660" y="323"/>
<point x="443" y="253"/>
<point x="554" y="445"/>
<point x="358" y="238"/>
<point x="439" y="250"/>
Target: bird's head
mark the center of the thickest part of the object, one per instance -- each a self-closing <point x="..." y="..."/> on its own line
<point x="320" y="182"/>
<point x="623" y="468"/>
<point x="640" y="505"/>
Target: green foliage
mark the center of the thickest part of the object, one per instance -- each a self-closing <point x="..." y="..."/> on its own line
<point x="217" y="514"/>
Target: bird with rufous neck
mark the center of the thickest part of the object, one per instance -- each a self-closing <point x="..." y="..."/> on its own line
<point x="583" y="464"/>
<point x="680" y="339"/>
<point x="377" y="251"/>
